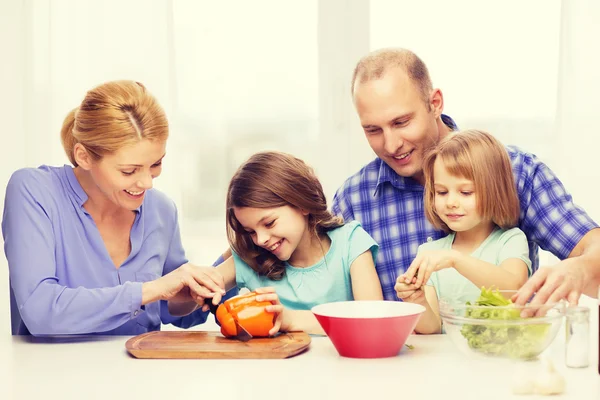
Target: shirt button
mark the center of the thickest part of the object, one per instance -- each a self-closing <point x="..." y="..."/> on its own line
<point x="429" y="239"/>
<point x="136" y="312"/>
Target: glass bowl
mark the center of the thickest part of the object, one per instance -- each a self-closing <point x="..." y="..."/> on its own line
<point x="500" y="331"/>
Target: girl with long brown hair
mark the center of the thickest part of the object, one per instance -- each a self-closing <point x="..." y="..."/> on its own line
<point x="289" y="247"/>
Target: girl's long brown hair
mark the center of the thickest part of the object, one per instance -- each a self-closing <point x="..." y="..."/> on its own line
<point x="268" y="180"/>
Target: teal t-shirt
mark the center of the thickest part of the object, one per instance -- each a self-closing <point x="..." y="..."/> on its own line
<point x="500" y="245"/>
<point x="326" y="281"/>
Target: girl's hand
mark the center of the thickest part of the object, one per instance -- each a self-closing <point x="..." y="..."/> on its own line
<point x="428" y="262"/>
<point x="409" y="292"/>
<point x="269" y="294"/>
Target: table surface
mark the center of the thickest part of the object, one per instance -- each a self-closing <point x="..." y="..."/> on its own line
<point x="100" y="368"/>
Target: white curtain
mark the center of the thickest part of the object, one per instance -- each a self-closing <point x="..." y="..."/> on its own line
<point x="577" y="113"/>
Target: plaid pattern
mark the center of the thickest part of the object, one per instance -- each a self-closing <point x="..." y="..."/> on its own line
<point x="391" y="209"/>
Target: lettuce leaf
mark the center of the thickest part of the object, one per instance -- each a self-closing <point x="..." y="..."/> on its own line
<point x="514" y="341"/>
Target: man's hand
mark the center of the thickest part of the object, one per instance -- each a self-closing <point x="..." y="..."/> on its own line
<point x="565" y="280"/>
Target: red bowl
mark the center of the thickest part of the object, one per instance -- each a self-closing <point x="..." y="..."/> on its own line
<point x="368" y="329"/>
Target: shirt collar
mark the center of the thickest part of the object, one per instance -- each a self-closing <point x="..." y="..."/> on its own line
<point x="387" y="174"/>
<point x="449" y="122"/>
<point x="77" y="191"/>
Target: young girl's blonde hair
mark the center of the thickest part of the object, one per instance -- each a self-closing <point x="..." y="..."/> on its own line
<point x="269" y="180"/>
<point x="481" y="158"/>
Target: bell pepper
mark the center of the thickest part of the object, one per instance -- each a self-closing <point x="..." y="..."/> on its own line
<point x="249" y="313"/>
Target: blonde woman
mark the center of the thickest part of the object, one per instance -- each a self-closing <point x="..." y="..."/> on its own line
<point x="91" y="247"/>
<point x="470" y="193"/>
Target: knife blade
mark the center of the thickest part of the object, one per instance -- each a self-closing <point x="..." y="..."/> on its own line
<point x="242" y="334"/>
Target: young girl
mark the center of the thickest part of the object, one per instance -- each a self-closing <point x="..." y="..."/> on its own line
<point x="470" y="193"/>
<point x="286" y="244"/>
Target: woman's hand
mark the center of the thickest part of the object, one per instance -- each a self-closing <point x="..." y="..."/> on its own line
<point x="427" y="262"/>
<point x="185" y="284"/>
<point x="269" y="294"/>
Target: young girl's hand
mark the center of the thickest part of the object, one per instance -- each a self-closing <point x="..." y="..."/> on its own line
<point x="269" y="294"/>
<point x="428" y="262"/>
<point x="409" y="292"/>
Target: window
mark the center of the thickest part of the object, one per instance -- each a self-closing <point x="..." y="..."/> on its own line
<point x="246" y="81"/>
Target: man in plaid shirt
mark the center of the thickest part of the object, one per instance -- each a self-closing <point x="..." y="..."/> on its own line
<point x="401" y="115"/>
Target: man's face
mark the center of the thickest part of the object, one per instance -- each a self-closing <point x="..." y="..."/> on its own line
<point x="398" y="124"/>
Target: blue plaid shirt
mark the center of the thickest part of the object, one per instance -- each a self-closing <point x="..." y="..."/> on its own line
<point x="390" y="208"/>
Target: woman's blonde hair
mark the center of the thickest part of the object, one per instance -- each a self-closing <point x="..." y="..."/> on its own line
<point x="269" y="180"/>
<point x="111" y="116"/>
<point x="481" y="158"/>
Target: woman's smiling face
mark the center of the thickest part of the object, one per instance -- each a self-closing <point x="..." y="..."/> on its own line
<point x="124" y="176"/>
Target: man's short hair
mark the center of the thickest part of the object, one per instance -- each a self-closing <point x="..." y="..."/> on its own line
<point x="375" y="64"/>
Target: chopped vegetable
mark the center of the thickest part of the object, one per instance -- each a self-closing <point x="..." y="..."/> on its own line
<point x="248" y="313"/>
<point x="512" y="340"/>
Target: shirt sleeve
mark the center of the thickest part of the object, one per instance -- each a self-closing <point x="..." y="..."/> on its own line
<point x="513" y="244"/>
<point x="176" y="258"/>
<point x="45" y="306"/>
<point x="359" y="241"/>
<point x="550" y="218"/>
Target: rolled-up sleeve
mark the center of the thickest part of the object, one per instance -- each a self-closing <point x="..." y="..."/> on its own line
<point x="45" y="306"/>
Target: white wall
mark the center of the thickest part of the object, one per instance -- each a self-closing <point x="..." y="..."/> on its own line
<point x="578" y="138"/>
<point x="12" y="151"/>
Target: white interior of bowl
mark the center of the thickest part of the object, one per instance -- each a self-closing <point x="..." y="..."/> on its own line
<point x="368" y="309"/>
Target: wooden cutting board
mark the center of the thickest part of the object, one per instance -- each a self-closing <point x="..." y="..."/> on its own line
<point x="196" y="344"/>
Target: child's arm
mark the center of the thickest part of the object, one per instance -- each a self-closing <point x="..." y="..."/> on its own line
<point x="430" y="321"/>
<point x="227" y="270"/>
<point x="289" y="320"/>
<point x="365" y="286"/>
<point x="365" y="281"/>
<point x="300" y="320"/>
<point x="511" y="274"/>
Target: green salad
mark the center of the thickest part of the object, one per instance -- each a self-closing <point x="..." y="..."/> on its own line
<point x="515" y="341"/>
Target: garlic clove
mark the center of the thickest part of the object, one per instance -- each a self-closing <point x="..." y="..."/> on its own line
<point x="548" y="381"/>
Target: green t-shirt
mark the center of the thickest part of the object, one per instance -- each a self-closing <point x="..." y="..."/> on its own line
<point x="500" y="245"/>
<point x="323" y="282"/>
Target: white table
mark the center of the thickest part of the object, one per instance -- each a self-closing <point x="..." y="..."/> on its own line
<point x="100" y="368"/>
